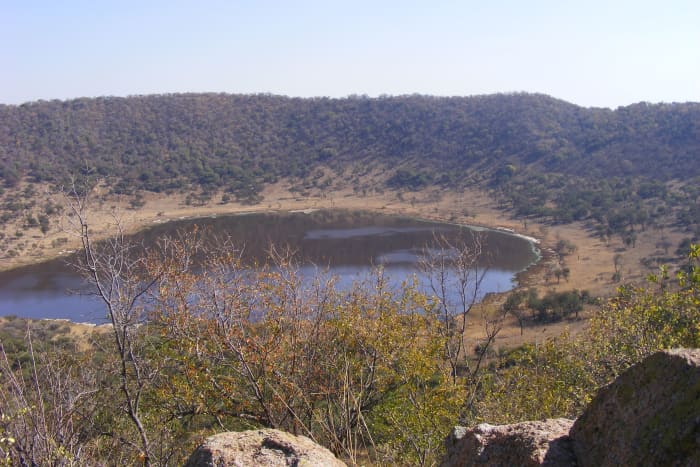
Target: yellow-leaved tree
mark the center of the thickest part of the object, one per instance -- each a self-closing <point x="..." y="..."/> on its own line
<point x="359" y="370"/>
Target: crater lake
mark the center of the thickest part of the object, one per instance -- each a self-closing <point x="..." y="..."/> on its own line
<point x="346" y="244"/>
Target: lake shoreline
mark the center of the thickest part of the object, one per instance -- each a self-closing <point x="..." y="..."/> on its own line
<point x="469" y="208"/>
<point x="144" y="227"/>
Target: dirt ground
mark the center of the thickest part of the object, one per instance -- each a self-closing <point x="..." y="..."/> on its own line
<point x="591" y="265"/>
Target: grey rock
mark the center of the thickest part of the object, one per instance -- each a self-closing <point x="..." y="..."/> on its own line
<point x="263" y="448"/>
<point x="520" y="444"/>
<point x="650" y="415"/>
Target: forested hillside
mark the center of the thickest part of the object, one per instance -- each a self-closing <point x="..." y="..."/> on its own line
<point x="542" y="156"/>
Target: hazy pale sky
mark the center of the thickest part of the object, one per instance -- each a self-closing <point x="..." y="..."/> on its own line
<point x="589" y="52"/>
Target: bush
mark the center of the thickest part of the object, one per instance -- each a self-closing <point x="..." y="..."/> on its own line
<point x="563" y="374"/>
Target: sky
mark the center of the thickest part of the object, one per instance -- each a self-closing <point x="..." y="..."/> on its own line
<point x="592" y="53"/>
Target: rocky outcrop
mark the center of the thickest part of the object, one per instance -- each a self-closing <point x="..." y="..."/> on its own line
<point x="526" y="444"/>
<point x="261" y="448"/>
<point x="650" y="415"/>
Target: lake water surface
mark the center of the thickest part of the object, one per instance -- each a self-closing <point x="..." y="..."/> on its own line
<point x="349" y="244"/>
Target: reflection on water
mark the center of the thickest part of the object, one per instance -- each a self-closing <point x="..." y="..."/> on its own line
<point x="347" y="243"/>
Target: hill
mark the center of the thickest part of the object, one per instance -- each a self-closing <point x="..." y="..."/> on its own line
<point x="540" y="156"/>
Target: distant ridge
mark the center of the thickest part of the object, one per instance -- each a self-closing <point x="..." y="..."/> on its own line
<point x="239" y="143"/>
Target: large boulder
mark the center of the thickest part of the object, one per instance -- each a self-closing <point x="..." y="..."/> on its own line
<point x="523" y="444"/>
<point x="261" y="448"/>
<point x="650" y="415"/>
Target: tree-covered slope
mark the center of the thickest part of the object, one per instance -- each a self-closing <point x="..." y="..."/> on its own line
<point x="206" y="137"/>
<point x="513" y="143"/>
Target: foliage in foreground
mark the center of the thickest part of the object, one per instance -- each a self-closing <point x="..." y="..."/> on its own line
<point x="360" y="371"/>
<point x="563" y="374"/>
<point x="363" y="372"/>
